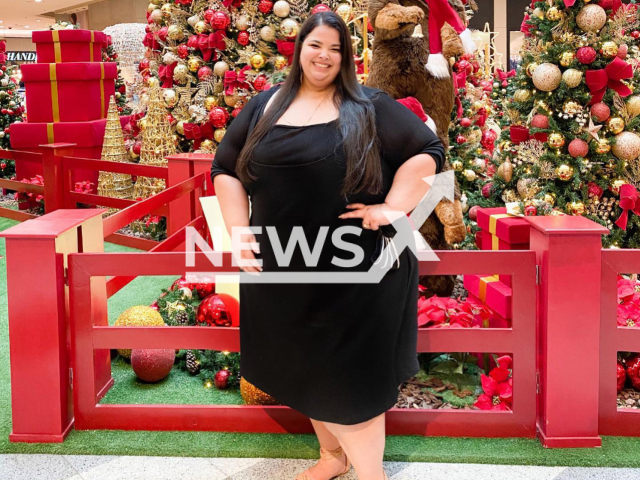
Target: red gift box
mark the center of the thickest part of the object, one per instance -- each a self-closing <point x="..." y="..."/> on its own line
<point x="88" y="137"/>
<point x="490" y="291"/>
<point x="510" y="229"/>
<point x="493" y="242"/>
<point x="518" y="134"/>
<point x="68" y="92"/>
<point x="64" y="46"/>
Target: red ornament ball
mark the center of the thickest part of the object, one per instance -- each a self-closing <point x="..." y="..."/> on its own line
<point x="162" y="33"/>
<point x="633" y="371"/>
<point x="464" y="66"/>
<point x="221" y="379"/>
<point x="460" y="139"/>
<point x="183" y="50"/>
<point x="586" y="55"/>
<point x="600" y="111"/>
<point x="122" y="89"/>
<point x="205" y="288"/>
<point x="606" y="4"/>
<point x="204" y="72"/>
<point x="259" y="83"/>
<point x="488" y="139"/>
<point x="486" y="190"/>
<point x="218" y="116"/>
<point x="208" y="15"/>
<point x="473" y="213"/>
<point x="192" y="42"/>
<point x="265" y="6"/>
<point x="182" y="283"/>
<point x="530" y="211"/>
<point x="578" y="148"/>
<point x="540" y="121"/>
<point x="137" y="148"/>
<point x="218" y="310"/>
<point x="623" y="51"/>
<point x="220" y="20"/>
<point x="635" y="34"/>
<point x="595" y="190"/>
<point x="243" y="38"/>
<point x="465" y="122"/>
<point x="170" y="118"/>
<point x="152" y="365"/>
<point x="321" y="7"/>
<point x="621" y="376"/>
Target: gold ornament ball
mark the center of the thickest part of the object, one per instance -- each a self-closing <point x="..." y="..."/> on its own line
<point x="609" y="49"/>
<point x="206" y="145"/>
<point x="572" y="77"/>
<point x="576" y="208"/>
<point x="531" y="68"/>
<point x="289" y="28"/>
<point x="344" y="11"/>
<point x="268" y="33"/>
<point x="218" y="135"/>
<point x="550" y="199"/>
<point x="547" y="77"/>
<point x="180" y="127"/>
<point x="554" y="14"/>
<point x="527" y="187"/>
<point x="280" y="62"/>
<point x="201" y="27"/>
<point x="571" y="107"/>
<point x="152" y="7"/>
<point x="252" y="395"/>
<point x="522" y="95"/>
<point x="616" y="185"/>
<point x="156" y="16"/>
<point x="603" y="146"/>
<point x="143" y="124"/>
<point x="591" y="18"/>
<point x="138" y="316"/>
<point x="538" y="13"/>
<point x="175" y="32"/>
<point x="192" y="20"/>
<point x="457" y="165"/>
<point x="210" y="102"/>
<point x="281" y="8"/>
<point x="615" y="125"/>
<point x="470" y="175"/>
<point x="242" y="23"/>
<point x="194" y="63"/>
<point x="231" y="100"/>
<point x="556" y="140"/>
<point x="567" y="58"/>
<point x="169" y="97"/>
<point x="220" y="68"/>
<point x="509" y="196"/>
<point x="505" y="171"/>
<point x="565" y="172"/>
<point x="633" y="106"/>
<point x="627" y="146"/>
<point x="258" y="61"/>
<point x="166" y="10"/>
<point x="153" y="82"/>
<point x="181" y="73"/>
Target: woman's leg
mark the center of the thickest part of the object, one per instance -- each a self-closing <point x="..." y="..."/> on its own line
<point x="325" y="469"/>
<point x="364" y="445"/>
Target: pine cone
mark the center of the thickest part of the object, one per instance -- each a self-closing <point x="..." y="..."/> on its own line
<point x="193" y="365"/>
<point x="182" y="319"/>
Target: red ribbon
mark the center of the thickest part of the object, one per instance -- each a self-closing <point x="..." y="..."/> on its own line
<point x="233" y="80"/>
<point x="151" y="42"/>
<point x="504" y="76"/>
<point x="629" y="200"/>
<point x="460" y="80"/>
<point x="286" y="48"/>
<point x="165" y="72"/>
<point x="459" y="109"/>
<point x="233" y="3"/>
<point x="610" y="77"/>
<point x="518" y="134"/>
<point x="197" y="133"/>
<point x="208" y="43"/>
<point x="525" y="27"/>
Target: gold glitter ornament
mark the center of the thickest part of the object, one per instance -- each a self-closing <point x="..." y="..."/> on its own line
<point x="554" y="14"/>
<point x="169" y="97"/>
<point x="280" y="62"/>
<point x="281" y="8"/>
<point x="509" y="196"/>
<point x="572" y="77"/>
<point x="268" y="33"/>
<point x="220" y="68"/>
<point x="194" y="63"/>
<point x="289" y="28"/>
<point x="470" y="175"/>
<point x="556" y="140"/>
<point x="527" y="187"/>
<point x="550" y="199"/>
<point x="531" y="68"/>
<point x="505" y="171"/>
<point x="609" y="49"/>
<point x="153" y="82"/>
<point x="547" y="77"/>
<point x="576" y="208"/>
<point x="218" y="135"/>
<point x="627" y="146"/>
<point x="603" y="146"/>
<point x="166" y="10"/>
<point x="616" y="185"/>
<point x="522" y="95"/>
<point x="210" y="102"/>
<point x="252" y="395"/>
<point x="242" y="23"/>
<point x="615" y="125"/>
<point x="201" y="27"/>
<point x="175" y="32"/>
<point x="180" y="127"/>
<point x="344" y="11"/>
<point x="231" y="100"/>
<point x="457" y="165"/>
<point x="571" y="107"/>
<point x="567" y="58"/>
<point x="633" y="106"/>
<point x="138" y="316"/>
<point x="565" y="172"/>
<point x="258" y="61"/>
<point x="206" y="145"/>
<point x="591" y="18"/>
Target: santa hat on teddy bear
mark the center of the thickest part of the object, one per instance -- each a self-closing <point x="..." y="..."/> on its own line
<point x="440" y="12"/>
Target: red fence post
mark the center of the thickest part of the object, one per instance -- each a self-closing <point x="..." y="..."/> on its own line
<point x="39" y="337"/>
<point x="568" y="254"/>
<point x="181" y="167"/>
<point x="53" y="175"/>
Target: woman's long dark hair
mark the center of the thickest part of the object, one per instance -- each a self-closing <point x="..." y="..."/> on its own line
<point x="357" y="115"/>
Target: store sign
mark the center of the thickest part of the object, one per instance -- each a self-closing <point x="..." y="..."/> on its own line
<point x="21" y="56"/>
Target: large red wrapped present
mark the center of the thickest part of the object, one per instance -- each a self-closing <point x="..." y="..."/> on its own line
<point x="507" y="228"/>
<point x="493" y="242"/>
<point x="88" y="136"/>
<point x="491" y="291"/>
<point x="68" y="92"/>
<point x="64" y="46"/>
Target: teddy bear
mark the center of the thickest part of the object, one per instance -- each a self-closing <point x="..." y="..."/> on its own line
<point x="411" y="62"/>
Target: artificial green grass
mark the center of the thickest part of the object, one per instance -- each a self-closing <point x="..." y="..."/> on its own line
<point x="615" y="452"/>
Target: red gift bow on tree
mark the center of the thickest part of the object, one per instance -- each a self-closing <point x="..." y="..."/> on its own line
<point x="151" y="42"/>
<point x="460" y="80"/>
<point x="629" y="200"/>
<point x="503" y="76"/>
<point x="197" y="133"/>
<point x="233" y="80"/>
<point x="610" y="77"/>
<point x="165" y="72"/>
<point x="233" y="3"/>
<point x="286" y="48"/>
<point x="208" y="43"/>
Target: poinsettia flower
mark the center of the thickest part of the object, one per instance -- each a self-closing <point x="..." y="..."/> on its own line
<point x="435" y="311"/>
<point x="628" y="314"/>
<point x="501" y="372"/>
<point x="497" y="387"/>
<point x="626" y="288"/>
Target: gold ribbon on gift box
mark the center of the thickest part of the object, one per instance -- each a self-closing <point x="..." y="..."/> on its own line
<point x="57" y="49"/>
<point x="484" y="281"/>
<point x="55" y="107"/>
<point x="50" y="135"/>
<point x="93" y="39"/>
<point x="102" y="106"/>
<point x="493" y="224"/>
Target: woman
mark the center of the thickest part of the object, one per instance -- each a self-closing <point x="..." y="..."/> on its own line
<point x="321" y="151"/>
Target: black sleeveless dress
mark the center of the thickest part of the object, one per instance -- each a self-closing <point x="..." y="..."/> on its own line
<point x="335" y="352"/>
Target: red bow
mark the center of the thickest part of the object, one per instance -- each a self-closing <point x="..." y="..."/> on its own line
<point x="197" y="133"/>
<point x="151" y="42"/>
<point x="503" y="76"/>
<point x="286" y="48"/>
<point x="165" y="72"/>
<point x="460" y="80"/>
<point x="629" y="200"/>
<point x="525" y="27"/>
<point x="611" y="76"/>
<point x="207" y="44"/>
<point x="233" y="3"/>
<point x="233" y="80"/>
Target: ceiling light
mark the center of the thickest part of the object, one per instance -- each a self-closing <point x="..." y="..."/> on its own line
<point x="26" y="26"/>
<point x="38" y="1"/>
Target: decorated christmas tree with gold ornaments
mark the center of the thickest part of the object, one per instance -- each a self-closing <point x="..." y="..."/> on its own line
<point x="574" y="143"/>
<point x="212" y="56"/>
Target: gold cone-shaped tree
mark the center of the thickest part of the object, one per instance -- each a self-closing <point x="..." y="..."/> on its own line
<point x="115" y="185"/>
<point x="157" y="144"/>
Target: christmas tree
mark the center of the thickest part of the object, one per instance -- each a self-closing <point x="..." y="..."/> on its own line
<point x="109" y="55"/>
<point x="573" y="143"/>
<point x="11" y="111"/>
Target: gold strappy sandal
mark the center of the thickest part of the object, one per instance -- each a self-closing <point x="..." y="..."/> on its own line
<point x="328" y="455"/>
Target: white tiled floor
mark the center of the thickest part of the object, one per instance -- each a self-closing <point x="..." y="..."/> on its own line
<point x="80" y="467"/>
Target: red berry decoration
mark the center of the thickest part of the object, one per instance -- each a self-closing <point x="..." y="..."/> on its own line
<point x="460" y="139"/>
<point x="600" y="111"/>
<point x="218" y="310"/>
<point x="183" y="50"/>
<point x="540" y="121"/>
<point x="530" y="211"/>
<point x="152" y="365"/>
<point x="473" y="212"/>
<point x="218" y="116"/>
<point x="220" y="20"/>
<point x="578" y="148"/>
<point x="204" y="73"/>
<point x="221" y="379"/>
<point x="586" y="55"/>
<point x="621" y="376"/>
<point x="243" y="38"/>
<point x="465" y="122"/>
<point x="321" y="7"/>
<point x="633" y="371"/>
<point x="595" y="190"/>
<point x="486" y="190"/>
<point x="265" y="6"/>
<point x="208" y="15"/>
